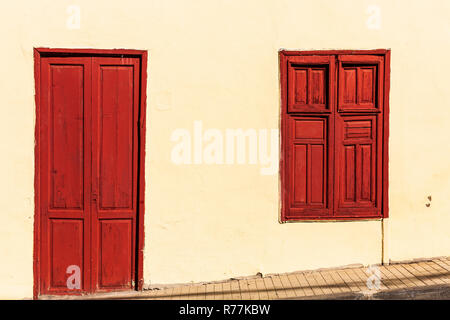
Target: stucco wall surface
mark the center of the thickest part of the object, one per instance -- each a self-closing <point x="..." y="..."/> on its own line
<point x="216" y="62"/>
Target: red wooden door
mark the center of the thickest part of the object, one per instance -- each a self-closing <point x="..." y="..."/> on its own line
<point x="88" y="136"/>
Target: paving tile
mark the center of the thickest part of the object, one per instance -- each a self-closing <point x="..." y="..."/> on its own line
<point x="184" y="291"/>
<point x="446" y="262"/>
<point x="431" y="273"/>
<point x="442" y="264"/>
<point x="290" y="292"/>
<point x="424" y="273"/>
<point x="176" y="293"/>
<point x="209" y="293"/>
<point x="444" y="274"/>
<point x="340" y="283"/>
<point x="403" y="277"/>
<point x="253" y="290"/>
<point x="296" y="286"/>
<point x="281" y="293"/>
<point x="438" y="268"/>
<point x="227" y="290"/>
<point x="330" y="282"/>
<point x="193" y="289"/>
<point x="389" y="279"/>
<point x="417" y="273"/>
<point x="317" y="290"/>
<point x="261" y="287"/>
<point x="410" y="276"/>
<point x="202" y="292"/>
<point x="218" y="291"/>
<point x="243" y="284"/>
<point x="164" y="294"/>
<point x="397" y="277"/>
<point x="304" y="284"/>
<point x="235" y="290"/>
<point x="348" y="281"/>
<point x="321" y="281"/>
<point x="271" y="292"/>
<point x="356" y="279"/>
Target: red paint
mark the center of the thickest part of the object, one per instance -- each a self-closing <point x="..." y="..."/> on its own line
<point x="334" y="132"/>
<point x="89" y="177"/>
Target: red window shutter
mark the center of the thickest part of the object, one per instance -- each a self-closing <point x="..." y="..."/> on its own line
<point x="334" y="150"/>
<point x="359" y="124"/>
<point x="309" y="130"/>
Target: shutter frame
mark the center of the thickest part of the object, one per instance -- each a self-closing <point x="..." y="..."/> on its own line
<point x="353" y="122"/>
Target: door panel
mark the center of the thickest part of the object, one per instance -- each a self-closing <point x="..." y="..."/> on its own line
<point x="115" y="152"/>
<point x="66" y="133"/>
<point x="67" y="245"/>
<point x="116" y="136"/>
<point x="116" y="253"/>
<point x="65" y="171"/>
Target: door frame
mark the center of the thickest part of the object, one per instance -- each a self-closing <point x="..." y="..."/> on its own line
<point x="58" y="52"/>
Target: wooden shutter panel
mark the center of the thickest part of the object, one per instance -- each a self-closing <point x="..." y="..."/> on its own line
<point x="309" y="129"/>
<point x="310" y="83"/>
<point x="359" y="124"/>
<point x="360" y="83"/>
<point x="308" y="166"/>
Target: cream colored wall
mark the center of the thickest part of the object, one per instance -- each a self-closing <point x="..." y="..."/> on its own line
<point x="217" y="61"/>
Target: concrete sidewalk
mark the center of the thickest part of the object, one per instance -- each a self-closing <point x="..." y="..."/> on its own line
<point x="421" y="280"/>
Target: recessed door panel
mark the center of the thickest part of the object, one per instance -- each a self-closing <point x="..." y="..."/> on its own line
<point x="66" y="134"/>
<point x="116" y="253"/>
<point x="66" y="253"/>
<point x="116" y="130"/>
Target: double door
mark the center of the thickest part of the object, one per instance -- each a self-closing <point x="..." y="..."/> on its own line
<point x="88" y="173"/>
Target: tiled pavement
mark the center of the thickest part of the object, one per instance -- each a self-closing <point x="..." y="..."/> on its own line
<point x="318" y="284"/>
<point x="428" y="279"/>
